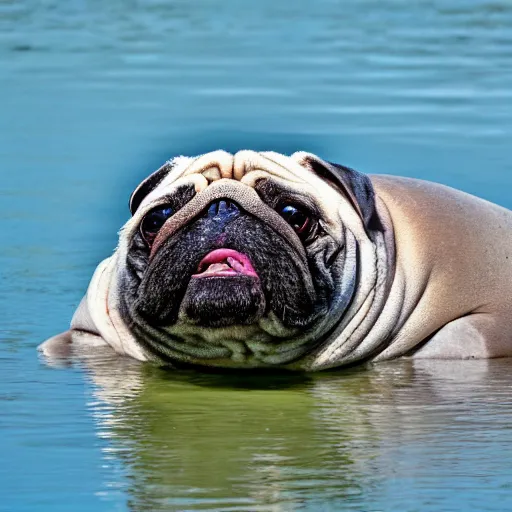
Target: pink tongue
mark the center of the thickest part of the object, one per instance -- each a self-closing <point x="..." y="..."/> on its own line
<point x="225" y="262"/>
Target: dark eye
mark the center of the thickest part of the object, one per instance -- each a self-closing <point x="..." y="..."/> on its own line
<point x="153" y="221"/>
<point x="298" y="219"/>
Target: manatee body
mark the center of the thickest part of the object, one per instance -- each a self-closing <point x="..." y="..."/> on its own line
<point x="264" y="260"/>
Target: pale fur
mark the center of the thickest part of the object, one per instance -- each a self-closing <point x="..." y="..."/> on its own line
<point x="441" y="271"/>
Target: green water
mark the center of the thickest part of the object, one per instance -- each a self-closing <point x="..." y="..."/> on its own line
<point x="395" y="437"/>
<point x="94" y="96"/>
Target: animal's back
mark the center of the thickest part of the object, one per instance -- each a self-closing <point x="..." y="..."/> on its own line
<point x="454" y="252"/>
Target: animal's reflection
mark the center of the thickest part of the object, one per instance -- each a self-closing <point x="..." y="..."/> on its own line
<point x="271" y="441"/>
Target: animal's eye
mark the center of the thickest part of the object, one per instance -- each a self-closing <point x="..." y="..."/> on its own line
<point x="298" y="219"/>
<point x="153" y="221"/>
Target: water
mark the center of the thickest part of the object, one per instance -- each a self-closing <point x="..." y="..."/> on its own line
<point x="94" y="95"/>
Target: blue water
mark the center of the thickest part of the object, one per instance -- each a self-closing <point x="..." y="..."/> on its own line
<point x="94" y="95"/>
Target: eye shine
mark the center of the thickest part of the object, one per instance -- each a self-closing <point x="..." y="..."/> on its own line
<point x="153" y="221"/>
<point x="299" y="220"/>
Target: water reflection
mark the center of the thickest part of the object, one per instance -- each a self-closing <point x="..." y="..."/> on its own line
<point x="222" y="441"/>
<point x="282" y="442"/>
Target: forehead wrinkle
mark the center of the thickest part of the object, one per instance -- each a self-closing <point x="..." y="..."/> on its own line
<point x="221" y="160"/>
<point x="295" y="166"/>
<point x="187" y="166"/>
<point x="237" y="166"/>
<point x="289" y="165"/>
<point x="247" y="162"/>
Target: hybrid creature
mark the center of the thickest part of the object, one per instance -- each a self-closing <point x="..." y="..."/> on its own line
<point x="257" y="259"/>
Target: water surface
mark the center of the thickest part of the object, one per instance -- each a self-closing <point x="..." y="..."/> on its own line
<point x="94" y="95"/>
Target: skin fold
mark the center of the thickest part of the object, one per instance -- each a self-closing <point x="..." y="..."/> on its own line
<point x="263" y="260"/>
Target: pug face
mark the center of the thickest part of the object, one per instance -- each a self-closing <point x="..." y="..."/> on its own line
<point x="245" y="260"/>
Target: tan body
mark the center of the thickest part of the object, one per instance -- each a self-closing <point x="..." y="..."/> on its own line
<point x="453" y="271"/>
<point x="434" y="279"/>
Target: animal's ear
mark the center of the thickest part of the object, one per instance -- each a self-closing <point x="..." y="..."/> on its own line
<point x="355" y="185"/>
<point x="149" y="184"/>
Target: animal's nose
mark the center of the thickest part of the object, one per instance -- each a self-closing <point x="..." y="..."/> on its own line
<point x="222" y="209"/>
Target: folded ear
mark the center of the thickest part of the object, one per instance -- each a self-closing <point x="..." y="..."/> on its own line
<point x="355" y="185"/>
<point x="149" y="184"/>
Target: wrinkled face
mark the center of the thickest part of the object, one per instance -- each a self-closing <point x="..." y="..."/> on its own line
<point x="236" y="260"/>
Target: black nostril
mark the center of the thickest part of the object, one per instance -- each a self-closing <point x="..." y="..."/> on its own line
<point x="213" y="209"/>
<point x="222" y="208"/>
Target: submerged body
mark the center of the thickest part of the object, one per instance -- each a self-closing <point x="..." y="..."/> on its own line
<point x="261" y="260"/>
